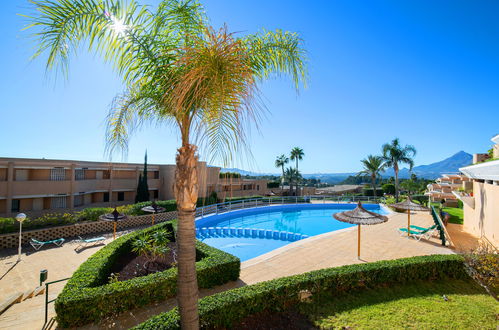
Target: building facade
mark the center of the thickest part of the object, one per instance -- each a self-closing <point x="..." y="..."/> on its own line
<point x="444" y="187"/>
<point x="481" y="198"/>
<point x="37" y="186"/>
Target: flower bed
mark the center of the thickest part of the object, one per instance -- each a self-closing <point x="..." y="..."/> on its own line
<point x="88" y="297"/>
<point x="224" y="309"/>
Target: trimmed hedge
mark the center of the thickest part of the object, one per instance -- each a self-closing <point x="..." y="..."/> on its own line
<point x="229" y="307"/>
<point x="88" y="297"/>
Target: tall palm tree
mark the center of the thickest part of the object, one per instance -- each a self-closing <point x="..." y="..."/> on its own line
<point x="293" y="176"/>
<point x="395" y="154"/>
<point x="297" y="155"/>
<point x="281" y="161"/>
<point x="372" y="166"/>
<point x="177" y="71"/>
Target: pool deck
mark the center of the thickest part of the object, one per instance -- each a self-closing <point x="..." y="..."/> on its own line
<point x="379" y="242"/>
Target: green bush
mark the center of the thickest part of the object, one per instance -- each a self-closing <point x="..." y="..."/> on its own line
<point x="224" y="309"/>
<point x="388" y="188"/>
<point x="369" y="192"/>
<point x="93" y="213"/>
<point x="88" y="297"/>
<point x="273" y="184"/>
<point x="8" y="225"/>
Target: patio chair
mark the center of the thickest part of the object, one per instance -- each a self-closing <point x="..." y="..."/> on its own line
<point x="84" y="243"/>
<point x="419" y="234"/>
<point x="421" y="228"/>
<point x="37" y="245"/>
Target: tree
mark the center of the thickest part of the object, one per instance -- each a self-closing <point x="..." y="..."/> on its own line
<point x="142" y="186"/>
<point x="388" y="188"/>
<point x="177" y="71"/>
<point x="280" y="162"/>
<point x="372" y="166"/>
<point x="394" y="154"/>
<point x="297" y="154"/>
<point x="292" y="175"/>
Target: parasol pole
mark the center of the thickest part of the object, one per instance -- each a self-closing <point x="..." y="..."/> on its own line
<point x="408" y="222"/>
<point x="358" y="242"/>
<point x="114" y="230"/>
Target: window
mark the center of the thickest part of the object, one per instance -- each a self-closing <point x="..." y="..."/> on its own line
<point x="58" y="202"/>
<point x="156" y="174"/>
<point x="105" y="197"/>
<point x="79" y="200"/>
<point x="57" y="174"/>
<point x="257" y="187"/>
<point x="121" y="196"/>
<point x="80" y="173"/>
<point x="156" y="194"/>
<point x="16" y="205"/>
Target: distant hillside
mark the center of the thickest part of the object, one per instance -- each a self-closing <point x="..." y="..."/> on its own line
<point x="430" y="171"/>
<point x="434" y="170"/>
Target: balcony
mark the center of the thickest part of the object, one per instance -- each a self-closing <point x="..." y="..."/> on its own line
<point x="465" y="198"/>
<point x="40" y="188"/>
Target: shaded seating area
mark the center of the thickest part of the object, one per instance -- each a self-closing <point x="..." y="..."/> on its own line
<point x="37" y="245"/>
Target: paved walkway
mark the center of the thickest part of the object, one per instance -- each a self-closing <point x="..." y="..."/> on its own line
<point x="379" y="242"/>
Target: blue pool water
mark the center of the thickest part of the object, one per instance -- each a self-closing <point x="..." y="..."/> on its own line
<point x="273" y="224"/>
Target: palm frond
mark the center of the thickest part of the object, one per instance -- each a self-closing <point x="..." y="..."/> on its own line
<point x="277" y="53"/>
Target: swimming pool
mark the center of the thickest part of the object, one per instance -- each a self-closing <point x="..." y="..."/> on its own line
<point x="249" y="233"/>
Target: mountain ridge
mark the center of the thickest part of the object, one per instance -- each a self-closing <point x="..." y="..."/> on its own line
<point x="430" y="171"/>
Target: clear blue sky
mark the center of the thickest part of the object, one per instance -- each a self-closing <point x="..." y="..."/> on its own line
<point x="424" y="71"/>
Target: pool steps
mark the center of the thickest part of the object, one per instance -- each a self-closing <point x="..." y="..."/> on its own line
<point x="206" y="232"/>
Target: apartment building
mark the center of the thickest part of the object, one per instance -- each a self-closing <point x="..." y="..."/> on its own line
<point x="481" y="197"/>
<point x="444" y="186"/>
<point x="37" y="186"/>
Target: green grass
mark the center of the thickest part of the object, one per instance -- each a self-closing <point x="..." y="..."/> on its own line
<point x="456" y="214"/>
<point x="416" y="306"/>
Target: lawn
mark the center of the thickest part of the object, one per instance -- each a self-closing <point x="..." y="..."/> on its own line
<point x="418" y="306"/>
<point x="456" y="214"/>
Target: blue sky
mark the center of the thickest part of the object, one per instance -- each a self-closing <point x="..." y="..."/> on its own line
<point x="424" y="71"/>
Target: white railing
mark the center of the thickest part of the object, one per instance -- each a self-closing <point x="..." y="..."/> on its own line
<point x="203" y="211"/>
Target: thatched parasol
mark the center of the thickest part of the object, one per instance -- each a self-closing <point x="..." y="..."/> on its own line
<point x="408" y="205"/>
<point x="154" y="209"/>
<point x="360" y="216"/>
<point x="114" y="216"/>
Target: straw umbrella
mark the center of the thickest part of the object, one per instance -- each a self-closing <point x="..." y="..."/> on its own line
<point x="360" y="216"/>
<point x="408" y="205"/>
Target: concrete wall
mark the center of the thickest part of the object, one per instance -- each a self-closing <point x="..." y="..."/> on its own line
<point x="483" y="220"/>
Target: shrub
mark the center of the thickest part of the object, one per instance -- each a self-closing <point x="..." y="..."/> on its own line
<point x="224" y="309"/>
<point x="93" y="213"/>
<point x="388" y="188"/>
<point x="8" y="225"/>
<point x="421" y="199"/>
<point x="369" y="192"/>
<point x="88" y="297"/>
<point x="273" y="184"/>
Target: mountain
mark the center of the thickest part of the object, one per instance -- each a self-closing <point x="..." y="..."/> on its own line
<point x="435" y="170"/>
<point x="430" y="171"/>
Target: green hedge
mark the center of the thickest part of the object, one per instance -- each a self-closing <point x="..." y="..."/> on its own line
<point x="88" y="297"/>
<point x="224" y="309"/>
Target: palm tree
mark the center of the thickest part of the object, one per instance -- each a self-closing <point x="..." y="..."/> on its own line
<point x="393" y="155"/>
<point x="297" y="154"/>
<point x="177" y="71"/>
<point x="292" y="175"/>
<point x="280" y="162"/>
<point x="372" y="166"/>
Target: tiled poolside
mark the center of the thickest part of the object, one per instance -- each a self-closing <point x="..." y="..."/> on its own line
<point x="327" y="250"/>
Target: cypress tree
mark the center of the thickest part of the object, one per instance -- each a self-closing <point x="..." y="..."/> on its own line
<point x="142" y="187"/>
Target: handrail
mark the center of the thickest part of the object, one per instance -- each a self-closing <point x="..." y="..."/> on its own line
<point x="441" y="227"/>
<point x="47" y="301"/>
<point x="218" y="208"/>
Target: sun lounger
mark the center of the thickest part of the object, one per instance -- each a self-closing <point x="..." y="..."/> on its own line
<point x="37" y="245"/>
<point x="419" y="234"/>
<point x="83" y="243"/>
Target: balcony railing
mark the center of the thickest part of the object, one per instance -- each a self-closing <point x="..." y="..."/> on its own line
<point x="275" y="200"/>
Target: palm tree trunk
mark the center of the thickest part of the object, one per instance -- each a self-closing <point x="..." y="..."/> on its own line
<point x="373" y="181"/>
<point x="282" y="180"/>
<point x="186" y="193"/>
<point x="396" y="170"/>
